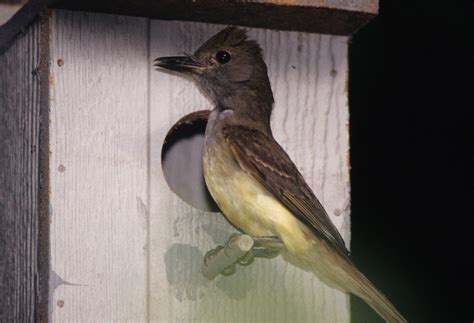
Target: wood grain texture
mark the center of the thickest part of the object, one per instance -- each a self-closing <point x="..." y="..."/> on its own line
<point x="99" y="168"/>
<point x="308" y="73"/>
<point x="336" y="17"/>
<point x="19" y="163"/>
<point x="123" y="246"/>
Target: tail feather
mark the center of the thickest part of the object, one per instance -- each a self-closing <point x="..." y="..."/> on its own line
<point x="338" y="271"/>
<point x="377" y="300"/>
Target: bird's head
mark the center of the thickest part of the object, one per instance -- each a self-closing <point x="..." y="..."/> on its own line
<point x="225" y="66"/>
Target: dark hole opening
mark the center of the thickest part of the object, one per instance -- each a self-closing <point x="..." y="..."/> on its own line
<point x="181" y="161"/>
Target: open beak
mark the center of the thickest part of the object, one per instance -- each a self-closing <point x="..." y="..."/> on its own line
<point x="182" y="64"/>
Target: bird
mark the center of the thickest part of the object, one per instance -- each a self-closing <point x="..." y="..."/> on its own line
<point x="250" y="176"/>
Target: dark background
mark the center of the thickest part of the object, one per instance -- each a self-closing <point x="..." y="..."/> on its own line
<point x="411" y="102"/>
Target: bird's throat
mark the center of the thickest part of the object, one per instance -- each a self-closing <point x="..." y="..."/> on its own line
<point x="246" y="111"/>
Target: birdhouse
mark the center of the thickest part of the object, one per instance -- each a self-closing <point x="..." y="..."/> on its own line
<point x="104" y="212"/>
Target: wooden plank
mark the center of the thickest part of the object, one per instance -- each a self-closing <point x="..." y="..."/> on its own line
<point x="98" y="168"/>
<point x="337" y="17"/>
<point x="309" y="76"/>
<point x="19" y="187"/>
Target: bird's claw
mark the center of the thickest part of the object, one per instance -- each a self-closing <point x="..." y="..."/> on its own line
<point x="211" y="254"/>
<point x="229" y="270"/>
<point x="263" y="247"/>
<point x="247" y="259"/>
<point x="268" y="253"/>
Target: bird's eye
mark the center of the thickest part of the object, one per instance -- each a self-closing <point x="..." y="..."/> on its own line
<point x="223" y="57"/>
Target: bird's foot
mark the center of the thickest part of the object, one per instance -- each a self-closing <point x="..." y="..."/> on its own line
<point x="267" y="246"/>
<point x="263" y="247"/>
<point x="239" y="249"/>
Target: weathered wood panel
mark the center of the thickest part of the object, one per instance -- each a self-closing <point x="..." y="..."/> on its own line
<point x="19" y="162"/>
<point x="308" y="74"/>
<point x="114" y="260"/>
<point x="336" y="17"/>
<point x="98" y="168"/>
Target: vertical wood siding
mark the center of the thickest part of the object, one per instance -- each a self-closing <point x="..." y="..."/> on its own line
<point x="123" y="246"/>
<point x="308" y="73"/>
<point x="98" y="167"/>
<point x="19" y="163"/>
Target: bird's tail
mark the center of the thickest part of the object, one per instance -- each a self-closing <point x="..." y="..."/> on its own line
<point x="339" y="272"/>
<point x="375" y="299"/>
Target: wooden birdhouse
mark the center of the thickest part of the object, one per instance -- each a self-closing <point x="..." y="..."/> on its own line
<point x="98" y="221"/>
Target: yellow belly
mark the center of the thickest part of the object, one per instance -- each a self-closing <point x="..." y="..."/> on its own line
<point x="248" y="205"/>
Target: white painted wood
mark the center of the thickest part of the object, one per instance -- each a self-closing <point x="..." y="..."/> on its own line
<point x="19" y="162"/>
<point x="99" y="168"/>
<point x="309" y="76"/>
<point x="112" y="259"/>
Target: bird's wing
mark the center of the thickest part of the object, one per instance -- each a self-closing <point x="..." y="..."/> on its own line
<point x="263" y="158"/>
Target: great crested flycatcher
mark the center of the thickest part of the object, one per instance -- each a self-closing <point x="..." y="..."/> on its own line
<point x="250" y="176"/>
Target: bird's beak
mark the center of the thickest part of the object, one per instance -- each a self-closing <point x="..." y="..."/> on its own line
<point x="182" y="64"/>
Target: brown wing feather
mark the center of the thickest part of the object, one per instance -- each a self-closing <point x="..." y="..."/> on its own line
<point x="264" y="159"/>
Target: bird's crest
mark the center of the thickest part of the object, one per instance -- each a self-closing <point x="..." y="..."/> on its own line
<point x="232" y="36"/>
